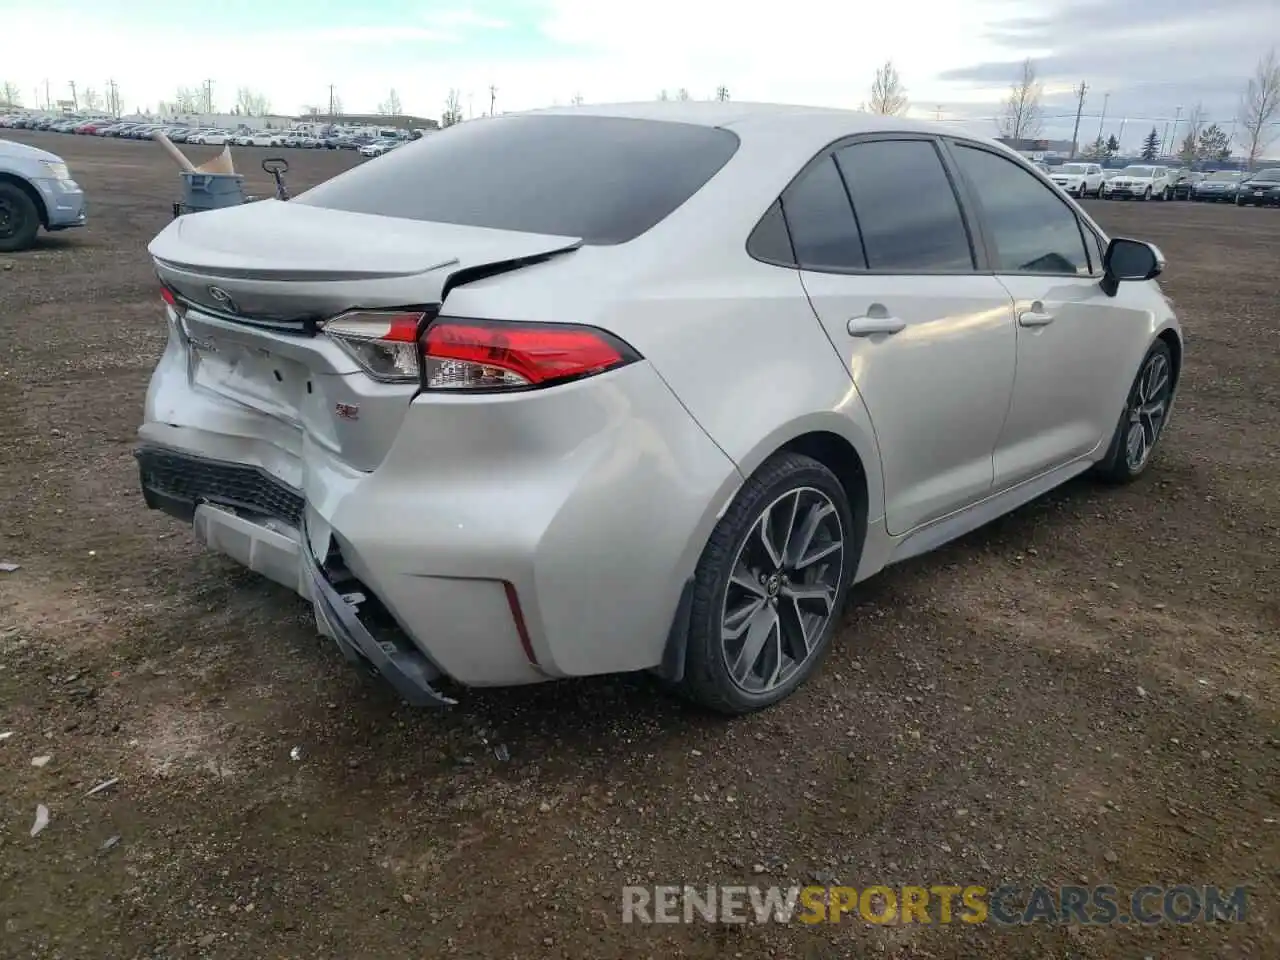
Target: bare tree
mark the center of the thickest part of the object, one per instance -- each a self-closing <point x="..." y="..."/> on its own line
<point x="452" y="109"/>
<point x="391" y="106"/>
<point x="1022" y="115"/>
<point x="576" y="100"/>
<point x="1190" y="150"/>
<point x="722" y="92"/>
<point x="9" y="94"/>
<point x="251" y="103"/>
<point x="682" y="94"/>
<point x="888" y="95"/>
<point x="663" y="95"/>
<point x="1260" y="108"/>
<point x="186" y="100"/>
<point x="91" y="100"/>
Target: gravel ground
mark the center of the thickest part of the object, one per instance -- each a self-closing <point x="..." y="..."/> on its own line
<point x="1087" y="691"/>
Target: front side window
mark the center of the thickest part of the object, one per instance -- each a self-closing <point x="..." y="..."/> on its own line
<point x="1034" y="230"/>
<point x="906" y="208"/>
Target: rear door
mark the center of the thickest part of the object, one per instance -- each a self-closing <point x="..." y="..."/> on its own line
<point x="1077" y="347"/>
<point x="891" y="269"/>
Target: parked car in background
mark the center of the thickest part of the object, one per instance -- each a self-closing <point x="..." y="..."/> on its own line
<point x="559" y="464"/>
<point x="378" y="147"/>
<point x="1184" y="183"/>
<point x="1078" y="179"/>
<point x="214" y="138"/>
<point x="1260" y="190"/>
<point x="1140" y="182"/>
<point x="1217" y="187"/>
<point x="254" y="139"/>
<point x="36" y="190"/>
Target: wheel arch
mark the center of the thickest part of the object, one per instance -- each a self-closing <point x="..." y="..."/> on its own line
<point x="836" y="441"/>
<point x="1173" y="341"/>
<point x="26" y="187"/>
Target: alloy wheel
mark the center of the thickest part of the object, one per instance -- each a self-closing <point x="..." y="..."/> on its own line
<point x="10" y="219"/>
<point x="1147" y="410"/>
<point x="782" y="590"/>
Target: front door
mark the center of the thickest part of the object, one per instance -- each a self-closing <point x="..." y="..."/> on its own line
<point x="1077" y="348"/>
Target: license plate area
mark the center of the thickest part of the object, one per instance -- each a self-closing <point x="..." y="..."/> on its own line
<point x="251" y="375"/>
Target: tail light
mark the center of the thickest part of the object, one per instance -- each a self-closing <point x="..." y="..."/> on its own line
<point x="384" y="343"/>
<point x="171" y="300"/>
<point x="454" y="354"/>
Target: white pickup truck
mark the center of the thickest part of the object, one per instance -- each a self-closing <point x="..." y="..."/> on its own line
<point x="1141" y="182"/>
<point x="1078" y="179"/>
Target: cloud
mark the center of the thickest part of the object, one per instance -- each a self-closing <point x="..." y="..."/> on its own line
<point x="956" y="60"/>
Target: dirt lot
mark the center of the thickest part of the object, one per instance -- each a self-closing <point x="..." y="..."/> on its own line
<point x="1086" y="692"/>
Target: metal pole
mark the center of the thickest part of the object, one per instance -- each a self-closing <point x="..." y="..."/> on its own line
<point x="1106" y="97"/>
<point x="1075" y="133"/>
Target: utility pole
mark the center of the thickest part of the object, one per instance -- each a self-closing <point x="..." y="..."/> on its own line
<point x="493" y="97"/>
<point x="208" y="96"/>
<point x="1173" y="140"/>
<point x="471" y="102"/>
<point x="1075" y="133"/>
<point x="75" y="102"/>
<point x="48" y="99"/>
<point x="1120" y="139"/>
<point x="113" y="98"/>
<point x="1106" y="98"/>
<point x="331" y="101"/>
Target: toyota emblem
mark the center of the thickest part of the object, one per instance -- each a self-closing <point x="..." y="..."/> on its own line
<point x="224" y="299"/>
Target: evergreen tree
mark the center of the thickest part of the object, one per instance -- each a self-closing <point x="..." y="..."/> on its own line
<point x="1151" y="145"/>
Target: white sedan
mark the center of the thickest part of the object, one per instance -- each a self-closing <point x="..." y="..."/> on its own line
<point x="684" y="373"/>
<point x="378" y="148"/>
<point x="254" y="140"/>
<point x="212" y="138"/>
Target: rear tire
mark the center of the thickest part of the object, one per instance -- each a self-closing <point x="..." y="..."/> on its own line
<point x="1142" y="423"/>
<point x="769" y="587"/>
<point x="19" y="219"/>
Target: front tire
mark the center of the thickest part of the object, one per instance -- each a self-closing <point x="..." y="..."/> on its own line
<point x="770" y="586"/>
<point x="1146" y="194"/>
<point x="1146" y="412"/>
<point x="19" y="219"/>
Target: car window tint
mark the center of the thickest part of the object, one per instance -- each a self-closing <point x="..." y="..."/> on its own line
<point x="906" y="208"/>
<point x="823" y="231"/>
<point x="1033" y="229"/>
<point x="769" y="241"/>
<point x="603" y="179"/>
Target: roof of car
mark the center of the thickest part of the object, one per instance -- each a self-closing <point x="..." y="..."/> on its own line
<point x="739" y="115"/>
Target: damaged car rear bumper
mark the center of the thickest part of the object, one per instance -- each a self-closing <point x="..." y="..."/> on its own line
<point x="246" y="514"/>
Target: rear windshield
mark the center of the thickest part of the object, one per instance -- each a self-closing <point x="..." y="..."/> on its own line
<point x="604" y="179"/>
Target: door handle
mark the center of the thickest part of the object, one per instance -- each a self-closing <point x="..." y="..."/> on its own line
<point x="1035" y="317"/>
<point x="870" y="326"/>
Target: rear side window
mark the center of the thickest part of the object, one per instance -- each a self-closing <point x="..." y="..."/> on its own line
<point x="823" y="231"/>
<point x="604" y="179"/>
<point x="907" y="210"/>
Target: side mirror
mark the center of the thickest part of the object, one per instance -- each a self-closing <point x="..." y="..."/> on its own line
<point x="1129" y="260"/>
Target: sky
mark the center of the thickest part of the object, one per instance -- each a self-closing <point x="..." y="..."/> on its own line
<point x="1141" y="59"/>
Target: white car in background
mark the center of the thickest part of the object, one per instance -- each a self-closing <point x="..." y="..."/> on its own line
<point x="1141" y="182"/>
<point x="1079" y="179"/>
<point x="212" y="138"/>
<point x="378" y="148"/>
<point x="254" y="140"/>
